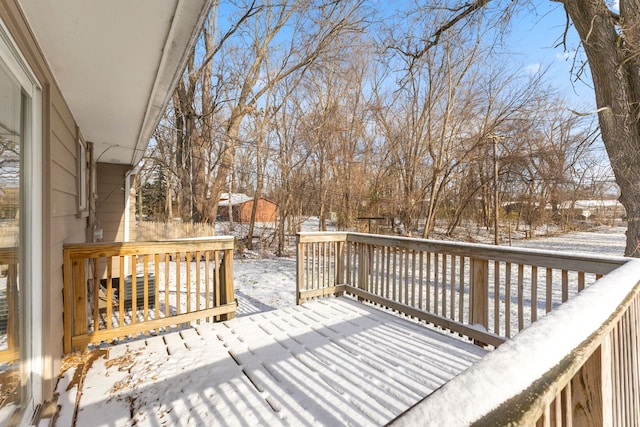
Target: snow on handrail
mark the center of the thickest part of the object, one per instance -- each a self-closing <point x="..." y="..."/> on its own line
<point x="529" y="378"/>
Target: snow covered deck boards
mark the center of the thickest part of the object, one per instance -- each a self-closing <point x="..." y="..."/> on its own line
<point x="329" y="362"/>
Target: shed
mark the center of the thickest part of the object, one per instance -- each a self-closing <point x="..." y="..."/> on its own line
<point x="267" y="211"/>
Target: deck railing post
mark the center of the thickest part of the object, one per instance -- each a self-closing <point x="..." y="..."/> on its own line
<point x="363" y="267"/>
<point x="339" y="261"/>
<point x="300" y="279"/>
<point x="79" y="296"/>
<point x="591" y="390"/>
<point x="226" y="285"/>
<point x="67" y="315"/>
<point x="479" y="308"/>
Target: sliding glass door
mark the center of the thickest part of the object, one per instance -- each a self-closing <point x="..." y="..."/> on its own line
<point x="20" y="193"/>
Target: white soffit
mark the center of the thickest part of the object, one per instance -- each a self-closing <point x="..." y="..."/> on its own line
<point x="116" y="63"/>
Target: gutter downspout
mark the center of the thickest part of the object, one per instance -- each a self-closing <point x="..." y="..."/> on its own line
<point x="129" y="176"/>
<point x="127" y="213"/>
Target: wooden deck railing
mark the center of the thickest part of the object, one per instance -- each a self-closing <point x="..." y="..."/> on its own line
<point x="575" y="353"/>
<point x="487" y="293"/>
<point x="113" y="290"/>
<point x="9" y="304"/>
<point x="578" y="366"/>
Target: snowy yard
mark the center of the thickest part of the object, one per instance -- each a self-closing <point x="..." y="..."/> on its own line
<point x="166" y="380"/>
<point x="599" y="241"/>
<point x="264" y="284"/>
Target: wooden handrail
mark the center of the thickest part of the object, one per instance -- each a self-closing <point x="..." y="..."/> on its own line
<point x="577" y="366"/>
<point x="129" y="285"/>
<point x="104" y="249"/>
<point x="9" y="255"/>
<point x="597" y="264"/>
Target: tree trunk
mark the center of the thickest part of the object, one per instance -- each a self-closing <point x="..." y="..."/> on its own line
<point x="259" y="178"/>
<point x="615" y="69"/>
<point x="283" y="214"/>
<point x="183" y="156"/>
<point x="257" y="194"/>
<point x="226" y="161"/>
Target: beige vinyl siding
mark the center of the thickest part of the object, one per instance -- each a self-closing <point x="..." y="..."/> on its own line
<point x="64" y="169"/>
<point x="110" y="205"/>
<point x="64" y="186"/>
<point x="64" y="205"/>
<point x="60" y="221"/>
<point x="64" y="158"/>
<point x="111" y="200"/>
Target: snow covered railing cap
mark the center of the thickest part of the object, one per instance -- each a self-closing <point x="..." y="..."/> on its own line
<point x="512" y="384"/>
<point x="598" y="264"/>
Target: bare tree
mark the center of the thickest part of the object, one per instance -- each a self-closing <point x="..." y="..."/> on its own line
<point x="611" y="42"/>
<point x="195" y="104"/>
<point x="451" y="99"/>
<point x="314" y="26"/>
<point x="290" y="164"/>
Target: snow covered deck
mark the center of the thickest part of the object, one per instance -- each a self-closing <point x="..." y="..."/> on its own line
<point x="563" y="327"/>
<point x="329" y="362"/>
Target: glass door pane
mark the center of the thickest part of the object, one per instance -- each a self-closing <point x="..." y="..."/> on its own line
<point x="13" y="105"/>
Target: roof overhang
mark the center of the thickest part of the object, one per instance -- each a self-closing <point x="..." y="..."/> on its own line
<point x="116" y="63"/>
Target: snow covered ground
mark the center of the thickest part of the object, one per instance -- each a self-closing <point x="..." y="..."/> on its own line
<point x="261" y="285"/>
<point x="601" y="240"/>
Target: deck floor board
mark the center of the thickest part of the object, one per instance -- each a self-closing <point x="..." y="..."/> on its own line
<point x="328" y="362"/>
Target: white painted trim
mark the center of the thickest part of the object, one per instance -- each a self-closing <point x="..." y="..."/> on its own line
<point x="128" y="178"/>
<point x="127" y="205"/>
<point x="17" y="65"/>
<point x="81" y="167"/>
<point x="20" y="69"/>
<point x="178" y="47"/>
<point x="37" y="249"/>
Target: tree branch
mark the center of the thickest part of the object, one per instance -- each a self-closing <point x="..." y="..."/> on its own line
<point x="467" y="10"/>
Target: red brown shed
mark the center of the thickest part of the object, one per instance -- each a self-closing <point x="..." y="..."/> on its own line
<point x="267" y="211"/>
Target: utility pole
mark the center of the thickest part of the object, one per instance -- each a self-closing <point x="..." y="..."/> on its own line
<point x="496" y="231"/>
<point x="230" y="199"/>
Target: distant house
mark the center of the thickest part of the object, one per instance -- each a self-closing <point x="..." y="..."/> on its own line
<point x="600" y="209"/>
<point x="579" y="209"/>
<point x="241" y="206"/>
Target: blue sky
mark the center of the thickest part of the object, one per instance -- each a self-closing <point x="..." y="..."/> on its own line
<point x="534" y="43"/>
<point x="535" y="40"/>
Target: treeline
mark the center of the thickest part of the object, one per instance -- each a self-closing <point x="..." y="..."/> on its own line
<point x="320" y="107"/>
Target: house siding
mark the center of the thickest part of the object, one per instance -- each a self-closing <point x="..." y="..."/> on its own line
<point x="61" y="224"/>
<point x="111" y="202"/>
